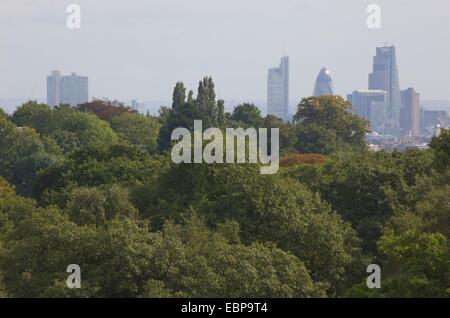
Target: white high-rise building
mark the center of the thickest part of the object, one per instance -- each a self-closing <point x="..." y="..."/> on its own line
<point x="68" y="90"/>
<point x="54" y="89"/>
<point x="278" y="90"/>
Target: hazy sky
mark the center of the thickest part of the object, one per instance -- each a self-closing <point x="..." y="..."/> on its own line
<point x="138" y="49"/>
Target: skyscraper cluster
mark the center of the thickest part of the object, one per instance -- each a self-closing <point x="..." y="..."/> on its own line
<point x="67" y="90"/>
<point x="389" y="110"/>
<point x="278" y="88"/>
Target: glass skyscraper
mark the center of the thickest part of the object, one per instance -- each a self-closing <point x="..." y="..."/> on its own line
<point x="278" y="90"/>
<point x="385" y="77"/>
<point x="324" y="83"/>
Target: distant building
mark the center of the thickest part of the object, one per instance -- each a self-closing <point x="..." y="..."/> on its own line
<point x="385" y="77"/>
<point x="278" y="90"/>
<point x="54" y="89"/>
<point x="432" y="119"/>
<point x="371" y="105"/>
<point x="410" y="113"/>
<point x="324" y="83"/>
<point x="69" y="90"/>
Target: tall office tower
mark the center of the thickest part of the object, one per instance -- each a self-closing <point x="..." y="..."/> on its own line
<point x="385" y="77"/>
<point x="410" y="112"/>
<point x="371" y="105"/>
<point x="69" y="90"/>
<point x="54" y="89"/>
<point x="324" y="83"/>
<point x="278" y="90"/>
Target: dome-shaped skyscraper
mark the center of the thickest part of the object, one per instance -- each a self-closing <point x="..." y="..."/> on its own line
<point x="324" y="83"/>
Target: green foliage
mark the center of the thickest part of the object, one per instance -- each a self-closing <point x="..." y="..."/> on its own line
<point x="3" y="293"/>
<point x="206" y="102"/>
<point x="434" y="210"/>
<point x="32" y="114"/>
<point x="183" y="113"/>
<point x="268" y="208"/>
<point x="137" y="129"/>
<point x="6" y="190"/>
<point x="211" y="266"/>
<point x="69" y="127"/>
<point x="248" y="115"/>
<point x="3" y="114"/>
<point x="98" y="165"/>
<point x="182" y="116"/>
<point x="416" y="264"/>
<point x="72" y="129"/>
<point x="14" y="210"/>
<point x="367" y="189"/>
<point x="221" y="117"/>
<point x="125" y="259"/>
<point x="286" y="130"/>
<point x="142" y="226"/>
<point x="178" y="96"/>
<point x="441" y="147"/>
<point x="414" y="251"/>
<point x="22" y="155"/>
<point x="313" y="138"/>
<point x="330" y="125"/>
<point x="94" y="206"/>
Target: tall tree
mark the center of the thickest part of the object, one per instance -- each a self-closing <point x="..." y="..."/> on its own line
<point x="32" y="114"/>
<point x="441" y="148"/>
<point x="331" y="113"/>
<point x="247" y="114"/>
<point x="206" y="102"/>
<point x="178" y="96"/>
<point x="221" y="119"/>
<point x="22" y="154"/>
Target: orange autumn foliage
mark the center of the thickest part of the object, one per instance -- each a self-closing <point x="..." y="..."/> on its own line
<point x="298" y="158"/>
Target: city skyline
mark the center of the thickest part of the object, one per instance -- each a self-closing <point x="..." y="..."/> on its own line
<point x="130" y="53"/>
<point x="224" y="157"/>
<point x="388" y="109"/>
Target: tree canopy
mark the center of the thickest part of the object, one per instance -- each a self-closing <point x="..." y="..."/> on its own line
<point x="94" y="185"/>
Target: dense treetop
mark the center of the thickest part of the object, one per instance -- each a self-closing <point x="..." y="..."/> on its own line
<point x="94" y="185"/>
